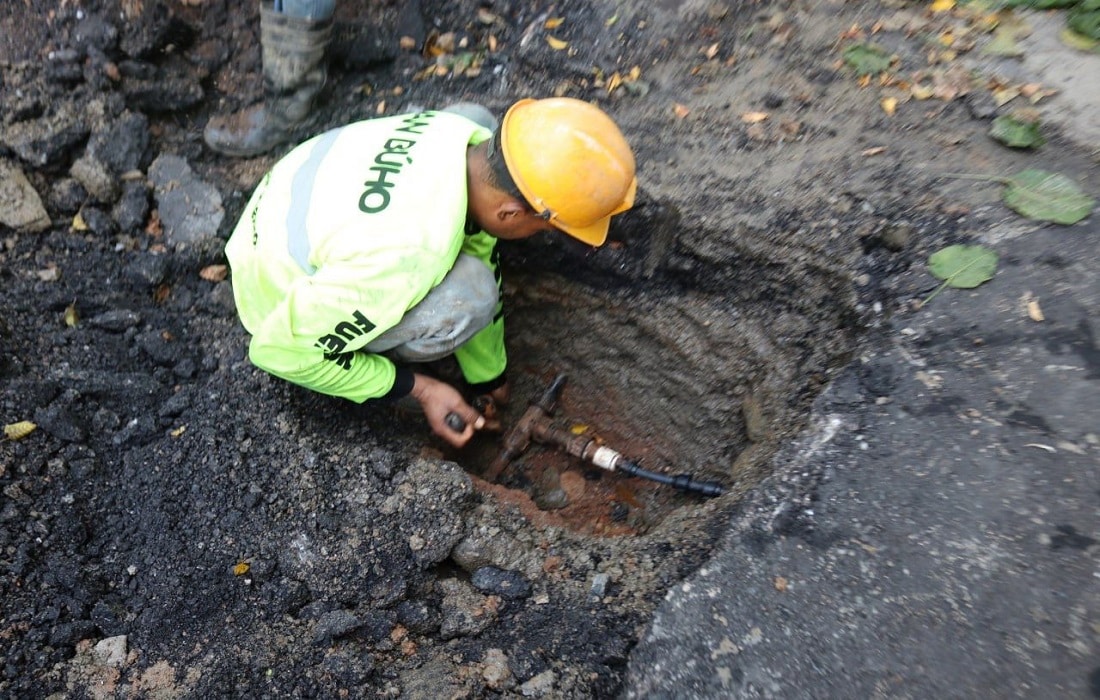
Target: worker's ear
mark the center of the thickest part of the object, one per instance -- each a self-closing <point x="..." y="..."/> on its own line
<point x="510" y="210"/>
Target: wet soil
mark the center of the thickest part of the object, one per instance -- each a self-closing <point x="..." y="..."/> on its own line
<point x="183" y="525"/>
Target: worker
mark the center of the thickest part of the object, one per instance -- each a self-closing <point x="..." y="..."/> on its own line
<point x="371" y="248"/>
<point x="294" y="35"/>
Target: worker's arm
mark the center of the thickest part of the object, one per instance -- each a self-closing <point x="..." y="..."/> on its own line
<point x="315" y="334"/>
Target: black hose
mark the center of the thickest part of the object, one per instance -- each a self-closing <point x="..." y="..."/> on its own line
<point x="684" y="482"/>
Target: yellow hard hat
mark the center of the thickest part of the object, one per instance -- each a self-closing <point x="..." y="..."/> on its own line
<point x="571" y="163"/>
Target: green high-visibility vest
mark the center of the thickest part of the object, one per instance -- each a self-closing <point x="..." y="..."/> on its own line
<point x="348" y="231"/>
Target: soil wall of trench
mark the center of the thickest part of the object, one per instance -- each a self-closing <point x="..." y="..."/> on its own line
<point x="181" y="523"/>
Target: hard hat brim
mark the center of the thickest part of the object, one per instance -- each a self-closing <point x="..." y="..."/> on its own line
<point x="596" y="234"/>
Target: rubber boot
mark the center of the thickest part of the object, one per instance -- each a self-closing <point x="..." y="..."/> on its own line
<point x="294" y="73"/>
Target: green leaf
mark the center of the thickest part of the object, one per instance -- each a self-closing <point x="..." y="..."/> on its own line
<point x="963" y="266"/>
<point x="1045" y="196"/>
<point x="867" y="59"/>
<point x="1017" y="130"/>
<point x="1003" y="43"/>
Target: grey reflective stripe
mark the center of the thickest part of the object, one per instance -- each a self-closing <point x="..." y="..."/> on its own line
<point x="301" y="192"/>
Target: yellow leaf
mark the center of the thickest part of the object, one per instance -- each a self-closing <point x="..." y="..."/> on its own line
<point x="921" y="92"/>
<point x="615" y="81"/>
<point x="79" y="224"/>
<point x="71" y="316"/>
<point x="889" y="105"/>
<point x="754" y="117"/>
<point x="20" y="430"/>
<point x="554" y="22"/>
<point x="680" y="110"/>
<point x="179" y="431"/>
<point x="241" y="568"/>
<point x="1005" y="95"/>
<point x="864" y="81"/>
<point x="556" y="44"/>
<point x="943" y="5"/>
<point x="611" y="20"/>
<point x="1034" y="312"/>
<point x="635" y="73"/>
<point x="578" y="428"/>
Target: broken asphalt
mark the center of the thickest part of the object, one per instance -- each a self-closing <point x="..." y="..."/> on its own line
<point x="935" y="533"/>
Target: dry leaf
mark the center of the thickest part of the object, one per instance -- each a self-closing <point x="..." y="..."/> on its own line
<point x="178" y="431"/>
<point x="556" y="44"/>
<point x="78" y="223"/>
<point x="781" y="584"/>
<point x="754" y="117"/>
<point x="407" y="43"/>
<point x="485" y="16"/>
<point x="161" y="294"/>
<point x="614" y="81"/>
<point x="874" y="151"/>
<point x="680" y="110"/>
<point x="71" y="316"/>
<point x="241" y="568"/>
<point x="381" y="108"/>
<point x="921" y="92"/>
<point x="554" y="22"/>
<point x="20" y="430"/>
<point x="711" y="51"/>
<point x="1005" y="95"/>
<point x="889" y="105"/>
<point x="1034" y="312"/>
<point x="492" y="43"/>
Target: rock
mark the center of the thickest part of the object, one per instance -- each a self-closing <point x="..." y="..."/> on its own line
<point x="481" y="548"/>
<point x="506" y="584"/>
<point x="495" y="670"/>
<point x="147" y="269"/>
<point x="96" y="178"/>
<point x="138" y="431"/>
<point x="538" y="686"/>
<point x="599" y="586"/>
<point x="549" y="494"/>
<point x="98" y="221"/>
<point x="94" y="31"/>
<point x="122" y="146"/>
<point x="66" y="196"/>
<point x="45" y="141"/>
<point x="333" y="625"/>
<point x="465" y="611"/>
<point x="417" y="616"/>
<point x="20" y="206"/>
<point x="160" y="347"/>
<point x="756" y="425"/>
<point x="166" y="92"/>
<point x="132" y="208"/>
<point x="111" y="651"/>
<point x="146" y="28"/>
<point x="190" y="210"/>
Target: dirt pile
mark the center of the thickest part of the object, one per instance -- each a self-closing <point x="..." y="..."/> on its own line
<point x="182" y="524"/>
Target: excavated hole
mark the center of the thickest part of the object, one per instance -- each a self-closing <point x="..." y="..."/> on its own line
<point x="705" y="369"/>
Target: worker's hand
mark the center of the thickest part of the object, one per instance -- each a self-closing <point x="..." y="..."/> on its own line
<point x="439" y="399"/>
<point x="502" y="394"/>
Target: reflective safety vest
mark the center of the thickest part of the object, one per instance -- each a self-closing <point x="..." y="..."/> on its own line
<point x="348" y="231"/>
